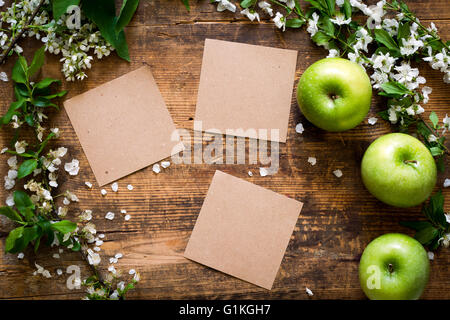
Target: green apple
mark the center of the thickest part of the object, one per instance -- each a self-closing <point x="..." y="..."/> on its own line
<point x="334" y="94"/>
<point x="399" y="170"/>
<point x="394" y="266"/>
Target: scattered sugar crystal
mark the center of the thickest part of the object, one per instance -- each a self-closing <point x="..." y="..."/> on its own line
<point x="88" y="184"/>
<point x="59" y="272"/>
<point x="98" y="243"/>
<point x="115" y="187"/>
<point x="127" y="217"/>
<point x="20" y="256"/>
<point x="66" y="201"/>
<point x="123" y="211"/>
<point x="103" y="192"/>
<point x="430" y="255"/>
<point x="132" y="271"/>
<point x="118" y="255"/>
<point x="56" y="255"/>
<point x="250" y="174"/>
<point x="337" y="173"/>
<point x="299" y="128"/>
<point x="312" y="161"/>
<point x="446" y="183"/>
<point x="110" y="215"/>
<point x="101" y="235"/>
<point x="309" y="292"/>
<point x="130" y="187"/>
<point x="97" y="249"/>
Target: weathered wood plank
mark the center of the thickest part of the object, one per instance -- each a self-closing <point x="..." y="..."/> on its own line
<point x="339" y="217"/>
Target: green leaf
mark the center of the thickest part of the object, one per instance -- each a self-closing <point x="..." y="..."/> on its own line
<point x="394" y="89"/>
<point x="416" y="225"/>
<point x="56" y="95"/>
<point x="321" y="38"/>
<point x="347" y="9"/>
<point x="21" y="91"/>
<point x="295" y="23"/>
<point x="440" y="164"/>
<point x="434" y="119"/>
<point x="126" y="13"/>
<point x="24" y="204"/>
<point x="331" y="4"/>
<point x="45" y="83"/>
<point x="26" y="168"/>
<point x="436" y="151"/>
<point x="13" y="236"/>
<point x="42" y="102"/>
<point x="21" y="242"/>
<point x="327" y="26"/>
<point x="186" y="4"/>
<point x="38" y="61"/>
<point x="12" y="111"/>
<point x="10" y="214"/>
<point x="19" y="71"/>
<point x="384" y="115"/>
<point x="403" y="31"/>
<point x="60" y="7"/>
<point x="64" y="226"/>
<point x="434" y="211"/>
<point x="103" y="14"/>
<point x="76" y="246"/>
<point x="247" y="3"/>
<point x="383" y="37"/>
<point x="318" y="5"/>
<point x="426" y="235"/>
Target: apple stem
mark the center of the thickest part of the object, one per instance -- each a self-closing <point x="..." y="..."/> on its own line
<point x="390" y="268"/>
<point x="410" y="161"/>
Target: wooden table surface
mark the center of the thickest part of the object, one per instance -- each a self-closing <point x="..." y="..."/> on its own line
<point x="339" y="217"/>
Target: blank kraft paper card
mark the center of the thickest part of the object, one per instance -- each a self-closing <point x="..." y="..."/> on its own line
<point x="123" y="125"/>
<point x="245" y="87"/>
<point x="243" y="230"/>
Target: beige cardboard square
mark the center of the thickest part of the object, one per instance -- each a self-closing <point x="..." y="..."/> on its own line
<point x="243" y="230"/>
<point x="245" y="87"/>
<point x="123" y="125"/>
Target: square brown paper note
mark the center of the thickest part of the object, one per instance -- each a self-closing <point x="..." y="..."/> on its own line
<point x="245" y="87"/>
<point x="123" y="125"/>
<point x="243" y="230"/>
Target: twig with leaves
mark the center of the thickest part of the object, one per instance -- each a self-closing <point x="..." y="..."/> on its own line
<point x="34" y="210"/>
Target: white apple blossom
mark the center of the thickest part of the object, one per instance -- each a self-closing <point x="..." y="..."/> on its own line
<point x="280" y="21"/>
<point x="383" y="62"/>
<point x="72" y="167"/>
<point x="251" y="14"/>
<point x="340" y="20"/>
<point x="289" y="3"/>
<point x="225" y="5"/>
<point x="266" y="7"/>
<point x="332" y="53"/>
<point x="20" y="146"/>
<point x="312" y="24"/>
<point x="425" y="92"/>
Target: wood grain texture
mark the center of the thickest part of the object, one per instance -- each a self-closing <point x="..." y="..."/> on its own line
<point x="339" y="217"/>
